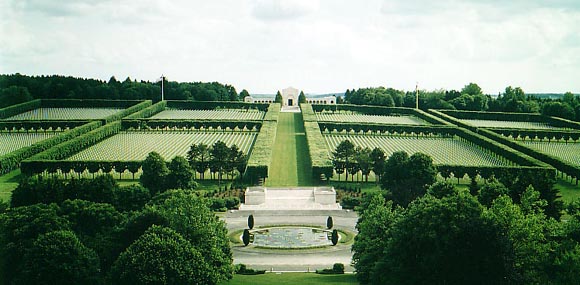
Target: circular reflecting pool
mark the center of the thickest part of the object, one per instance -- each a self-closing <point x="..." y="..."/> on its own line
<point x="291" y="237"/>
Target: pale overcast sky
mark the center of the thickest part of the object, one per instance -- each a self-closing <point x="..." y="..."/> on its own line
<point x="317" y="46"/>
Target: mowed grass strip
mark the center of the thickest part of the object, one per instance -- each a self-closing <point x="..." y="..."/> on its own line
<point x="292" y="278"/>
<point x="290" y="158"/>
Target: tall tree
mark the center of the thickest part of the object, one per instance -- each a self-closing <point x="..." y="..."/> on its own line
<point x="278" y="98"/>
<point x="343" y="155"/>
<point x="19" y="227"/>
<point x="301" y="97"/>
<point x="441" y="241"/>
<point x="243" y="95"/>
<point x="197" y="224"/>
<point x="365" y="161"/>
<point x="374" y="225"/>
<point x="219" y="158"/>
<point x="154" y="173"/>
<point x="60" y="258"/>
<point x="180" y="174"/>
<point x="162" y="256"/>
<point x="199" y="158"/>
<point x="407" y="178"/>
<point x="378" y="162"/>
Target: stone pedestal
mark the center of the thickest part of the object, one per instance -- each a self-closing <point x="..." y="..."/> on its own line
<point x="325" y="195"/>
<point x="255" y="196"/>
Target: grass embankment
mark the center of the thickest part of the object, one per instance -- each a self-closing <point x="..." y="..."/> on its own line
<point x="292" y="278"/>
<point x="290" y="162"/>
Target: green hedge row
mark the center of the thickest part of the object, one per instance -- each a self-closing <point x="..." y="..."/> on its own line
<point x="143" y="124"/>
<point x="35" y="126"/>
<point x="19" y="108"/>
<point x="498" y="148"/>
<point x="566" y="167"/>
<point x="319" y="156"/>
<point x="128" y="111"/>
<point x="502" y="116"/>
<point x="149" y="111"/>
<point x="89" y="103"/>
<point x="440" y="130"/>
<point x="211" y="105"/>
<point x="308" y="114"/>
<point x="380" y="110"/>
<point x="12" y="160"/>
<point x="261" y="155"/>
<point x="273" y="112"/>
<point x="538" y="134"/>
<point x="68" y="148"/>
<point x="570" y="169"/>
<point x="92" y="166"/>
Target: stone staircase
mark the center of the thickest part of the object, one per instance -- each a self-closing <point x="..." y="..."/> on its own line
<point x="288" y="199"/>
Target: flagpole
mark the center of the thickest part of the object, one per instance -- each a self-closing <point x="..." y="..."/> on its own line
<point x="417" y="96"/>
<point x="162" y="79"/>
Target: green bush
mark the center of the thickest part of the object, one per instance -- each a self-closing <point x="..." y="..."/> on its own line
<point x="337" y="268"/>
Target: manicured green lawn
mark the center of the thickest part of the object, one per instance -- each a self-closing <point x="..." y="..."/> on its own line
<point x="292" y="278"/>
<point x="290" y="159"/>
<point x="8" y="183"/>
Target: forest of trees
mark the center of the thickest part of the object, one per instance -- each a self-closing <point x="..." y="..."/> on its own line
<point x="424" y="231"/>
<point x="449" y="237"/>
<point x="93" y="231"/>
<point x="19" y="88"/>
<point x="469" y="98"/>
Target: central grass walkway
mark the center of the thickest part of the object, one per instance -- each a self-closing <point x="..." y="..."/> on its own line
<point x="290" y="158"/>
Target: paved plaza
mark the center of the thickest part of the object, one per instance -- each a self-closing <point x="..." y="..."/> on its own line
<point x="293" y="260"/>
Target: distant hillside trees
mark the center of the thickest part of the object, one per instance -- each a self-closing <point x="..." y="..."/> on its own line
<point x="16" y="88"/>
<point x="470" y="97"/>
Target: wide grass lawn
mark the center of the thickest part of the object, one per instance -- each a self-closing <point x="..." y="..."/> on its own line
<point x="291" y="278"/>
<point x="8" y="183"/>
<point x="290" y="158"/>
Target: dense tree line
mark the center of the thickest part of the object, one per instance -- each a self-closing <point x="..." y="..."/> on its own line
<point x="405" y="178"/>
<point x="218" y="159"/>
<point x="449" y="236"/>
<point x="470" y="97"/>
<point x="92" y="231"/>
<point x="17" y="88"/>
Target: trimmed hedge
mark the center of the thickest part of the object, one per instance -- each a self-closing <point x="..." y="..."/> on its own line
<point x="319" y="156"/>
<point x="212" y="105"/>
<point x="12" y="160"/>
<point x="261" y="155"/>
<point x="538" y="134"/>
<point x="568" y="168"/>
<point x="31" y="167"/>
<point x="149" y="111"/>
<point x="391" y="129"/>
<point x="68" y="148"/>
<point x="380" y="110"/>
<point x="89" y="103"/>
<point x="36" y="126"/>
<point x="19" y="108"/>
<point x="453" y="115"/>
<point x="273" y="112"/>
<point x="135" y="108"/>
<point x="144" y="124"/>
